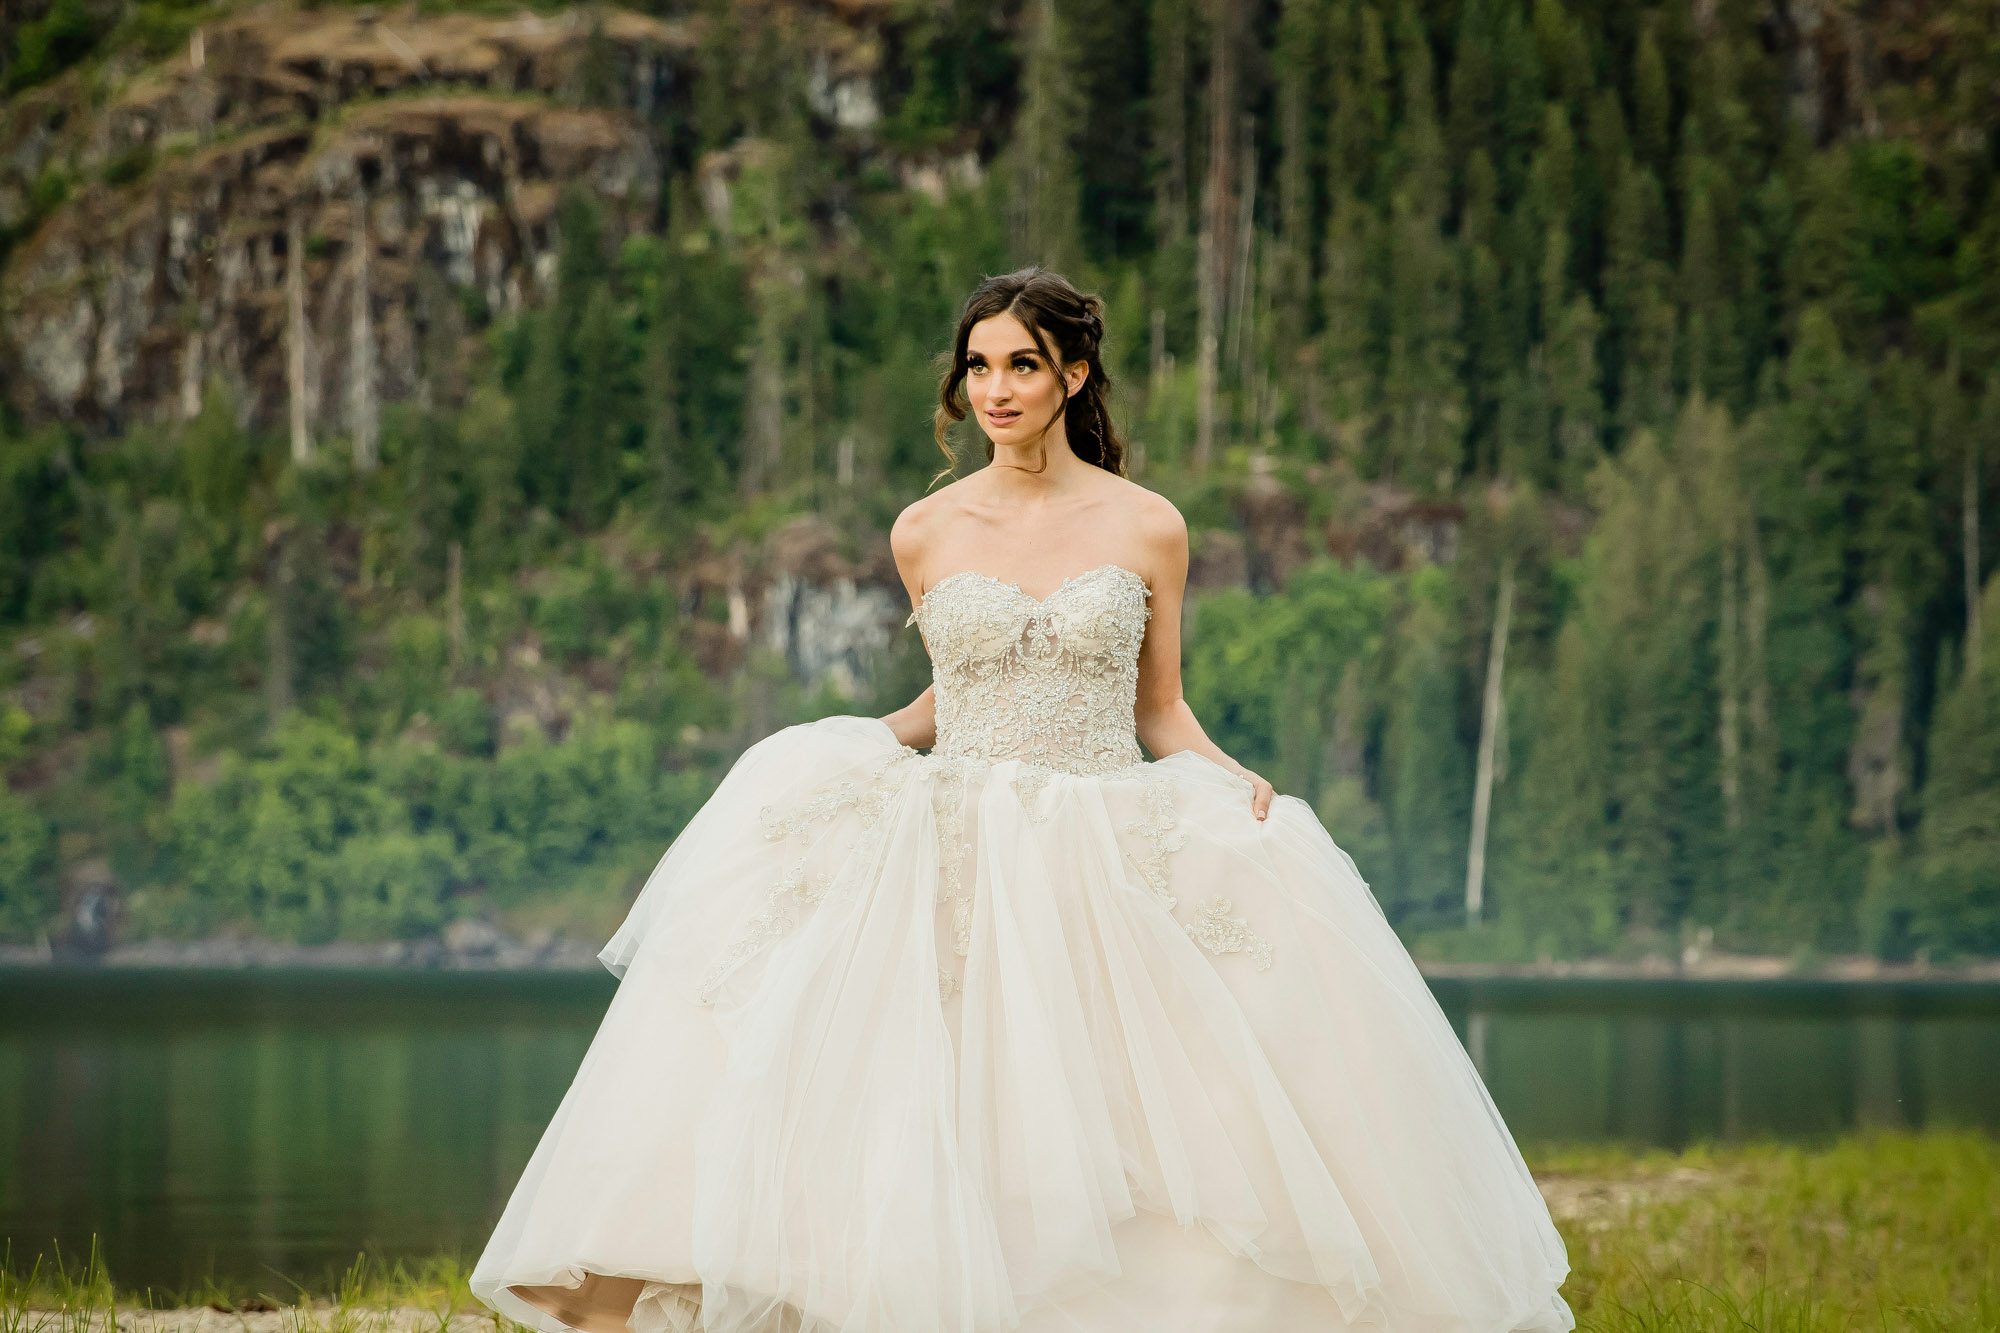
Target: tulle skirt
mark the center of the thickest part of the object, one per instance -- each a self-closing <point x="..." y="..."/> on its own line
<point x="913" y="1044"/>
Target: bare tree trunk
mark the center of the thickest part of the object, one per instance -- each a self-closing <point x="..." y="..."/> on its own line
<point x="1170" y="66"/>
<point x="1730" y="736"/>
<point x="808" y="394"/>
<point x="1242" y="294"/>
<point x="1162" y="413"/>
<point x="764" y="449"/>
<point x="1489" y="730"/>
<point x="1291" y="291"/>
<point x="1215" y="222"/>
<point x="454" y="607"/>
<point x="1342" y="758"/>
<point x="295" y="335"/>
<point x="1757" y="612"/>
<point x="1205" y="368"/>
<point x="362" y="370"/>
<point x="1970" y="521"/>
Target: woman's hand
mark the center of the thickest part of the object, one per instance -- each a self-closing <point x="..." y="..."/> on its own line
<point x="1261" y="792"/>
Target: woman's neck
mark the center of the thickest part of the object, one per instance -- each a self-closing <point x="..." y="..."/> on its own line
<point x="1024" y="471"/>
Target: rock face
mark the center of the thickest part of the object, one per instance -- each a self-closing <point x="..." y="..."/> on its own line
<point x="829" y="616"/>
<point x="415" y="161"/>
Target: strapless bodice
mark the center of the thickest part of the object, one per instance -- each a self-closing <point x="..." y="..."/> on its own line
<point x="1047" y="680"/>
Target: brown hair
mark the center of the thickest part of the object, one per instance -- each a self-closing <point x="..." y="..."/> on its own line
<point x="1049" y="307"/>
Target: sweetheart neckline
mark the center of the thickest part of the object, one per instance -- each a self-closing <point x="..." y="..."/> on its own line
<point x="1038" y="601"/>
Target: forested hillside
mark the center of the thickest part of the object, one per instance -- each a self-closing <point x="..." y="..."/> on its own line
<point x="439" y="439"/>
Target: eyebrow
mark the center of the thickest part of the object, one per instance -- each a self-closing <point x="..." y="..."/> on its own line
<point x="1018" y="351"/>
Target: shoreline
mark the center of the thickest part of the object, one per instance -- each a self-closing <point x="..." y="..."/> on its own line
<point x="492" y="951"/>
<point x="1797" y="1234"/>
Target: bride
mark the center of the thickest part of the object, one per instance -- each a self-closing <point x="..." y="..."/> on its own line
<point x="1025" y="1032"/>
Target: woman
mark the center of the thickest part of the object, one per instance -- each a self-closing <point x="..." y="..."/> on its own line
<point x="1026" y="1032"/>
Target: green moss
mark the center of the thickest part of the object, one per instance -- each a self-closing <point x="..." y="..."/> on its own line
<point x="127" y="166"/>
<point x="52" y="43"/>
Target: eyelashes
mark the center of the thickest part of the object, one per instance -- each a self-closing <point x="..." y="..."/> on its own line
<point x="1022" y="364"/>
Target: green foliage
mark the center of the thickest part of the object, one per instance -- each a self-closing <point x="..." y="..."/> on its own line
<point x="1425" y="777"/>
<point x="35" y="508"/>
<point x="52" y="43"/>
<point x="323" y="836"/>
<point x="27" y="870"/>
<point x="158" y="28"/>
<point x="1243" y="649"/>
<point x="297" y="842"/>
<point x="1723" y="334"/>
<point x="1959" y="907"/>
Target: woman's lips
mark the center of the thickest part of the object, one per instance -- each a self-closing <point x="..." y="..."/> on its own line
<point x="1002" y="418"/>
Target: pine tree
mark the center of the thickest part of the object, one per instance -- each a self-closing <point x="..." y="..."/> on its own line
<point x="602" y="424"/>
<point x="1427" y="781"/>
<point x="1958" y="902"/>
<point x="1423" y="396"/>
<point x="1041" y="170"/>
<point x="1640" y="321"/>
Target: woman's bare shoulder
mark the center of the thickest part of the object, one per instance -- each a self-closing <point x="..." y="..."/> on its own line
<point x="917" y="527"/>
<point x="1156" y="521"/>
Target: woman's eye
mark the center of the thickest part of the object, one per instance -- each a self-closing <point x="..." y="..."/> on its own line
<point x="1024" y="366"/>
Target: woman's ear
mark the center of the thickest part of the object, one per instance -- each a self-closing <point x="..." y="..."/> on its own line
<point x="1076" y="375"/>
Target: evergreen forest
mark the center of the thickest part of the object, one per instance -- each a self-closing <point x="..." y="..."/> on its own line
<point x="1587" y="417"/>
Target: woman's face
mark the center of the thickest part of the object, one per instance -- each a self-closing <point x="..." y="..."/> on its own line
<point x="1011" y="387"/>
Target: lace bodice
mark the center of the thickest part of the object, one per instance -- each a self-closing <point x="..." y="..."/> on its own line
<point x="1050" y="681"/>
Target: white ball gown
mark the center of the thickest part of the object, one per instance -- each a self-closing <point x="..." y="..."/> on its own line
<point x="1023" y="1033"/>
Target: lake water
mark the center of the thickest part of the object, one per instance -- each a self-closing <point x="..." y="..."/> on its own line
<point x="247" y="1125"/>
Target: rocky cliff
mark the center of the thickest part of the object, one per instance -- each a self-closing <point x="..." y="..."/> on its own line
<point x="306" y="201"/>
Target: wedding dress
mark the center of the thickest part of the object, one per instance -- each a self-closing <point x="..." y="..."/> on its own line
<point x="1023" y="1033"/>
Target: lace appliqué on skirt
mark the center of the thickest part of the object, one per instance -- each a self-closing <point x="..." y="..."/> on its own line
<point x="948" y="805"/>
<point x="797" y="889"/>
<point x="1218" y="932"/>
<point x="1213" y="928"/>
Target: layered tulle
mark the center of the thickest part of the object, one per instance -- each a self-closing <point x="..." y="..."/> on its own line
<point x="906" y="1044"/>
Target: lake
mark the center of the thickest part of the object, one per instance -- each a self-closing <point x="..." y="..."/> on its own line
<point x="246" y="1125"/>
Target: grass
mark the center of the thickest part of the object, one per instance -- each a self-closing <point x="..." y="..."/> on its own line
<point x="434" y="1295"/>
<point x="1875" y="1231"/>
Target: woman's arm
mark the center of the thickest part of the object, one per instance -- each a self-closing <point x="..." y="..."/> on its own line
<point x="915" y="723"/>
<point x="1165" y="723"/>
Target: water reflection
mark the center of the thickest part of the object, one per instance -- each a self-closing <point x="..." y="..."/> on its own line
<point x="1667" y="1063"/>
<point x="246" y="1125"/>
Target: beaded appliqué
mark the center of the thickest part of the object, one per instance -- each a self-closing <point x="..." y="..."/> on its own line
<point x="1051" y="681"/>
<point x="1046" y="680"/>
<point x="948" y="804"/>
<point x="1213" y="928"/>
<point x="796" y="889"/>
<point x="1028" y="784"/>
<point x="1218" y="932"/>
<point x="1158" y="826"/>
